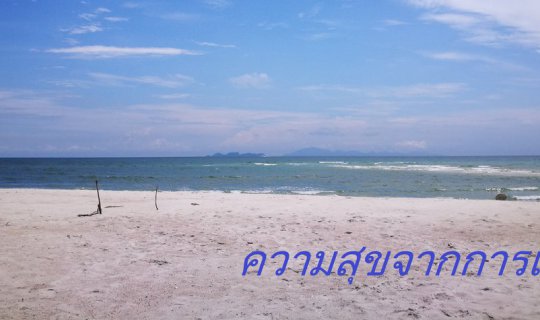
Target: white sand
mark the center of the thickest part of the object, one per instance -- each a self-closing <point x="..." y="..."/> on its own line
<point x="56" y="265"/>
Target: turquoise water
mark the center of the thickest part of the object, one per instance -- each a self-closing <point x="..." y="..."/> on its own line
<point x="453" y="177"/>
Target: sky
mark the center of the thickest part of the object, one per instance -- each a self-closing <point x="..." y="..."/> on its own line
<point x="191" y="78"/>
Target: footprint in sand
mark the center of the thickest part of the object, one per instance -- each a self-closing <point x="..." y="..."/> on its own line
<point x="442" y="296"/>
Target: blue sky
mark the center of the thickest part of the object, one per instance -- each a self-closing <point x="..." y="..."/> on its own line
<point x="184" y="78"/>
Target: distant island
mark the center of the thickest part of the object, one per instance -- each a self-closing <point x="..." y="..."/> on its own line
<point x="318" y="152"/>
<point x="237" y="155"/>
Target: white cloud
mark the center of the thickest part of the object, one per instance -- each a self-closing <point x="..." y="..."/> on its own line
<point x="452" y="56"/>
<point x="251" y="80"/>
<point x="174" y="81"/>
<point x="87" y="16"/>
<point x="116" y="19"/>
<point x="425" y="90"/>
<point x="488" y="22"/>
<point x="311" y="12"/>
<point x="436" y="90"/>
<point x="91" y="16"/>
<point x="113" y="52"/>
<point x="466" y="57"/>
<point x="213" y="44"/>
<point x="476" y="29"/>
<point x="91" y="28"/>
<point x="28" y="102"/>
<point x="95" y="26"/>
<point x="181" y="129"/>
<point x="393" y="22"/>
<point x="103" y="10"/>
<point x="461" y="21"/>
<point x="389" y="23"/>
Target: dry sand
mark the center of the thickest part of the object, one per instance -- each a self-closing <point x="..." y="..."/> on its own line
<point x="185" y="261"/>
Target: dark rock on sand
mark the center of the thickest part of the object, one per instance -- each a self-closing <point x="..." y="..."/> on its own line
<point x="501" y="196"/>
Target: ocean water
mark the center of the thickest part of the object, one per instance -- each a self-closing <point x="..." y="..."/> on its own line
<point x="430" y="177"/>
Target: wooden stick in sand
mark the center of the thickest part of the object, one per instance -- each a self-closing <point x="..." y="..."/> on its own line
<point x="155" y="198"/>
<point x="98" y="211"/>
<point x="99" y="200"/>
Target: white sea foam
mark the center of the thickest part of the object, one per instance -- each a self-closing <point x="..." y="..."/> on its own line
<point x="528" y="198"/>
<point x="259" y="191"/>
<point x="264" y="164"/>
<point x="523" y="189"/>
<point x="286" y="189"/>
<point x="310" y="192"/>
<point x="499" y="189"/>
<point x="333" y="162"/>
<point x="482" y="170"/>
<point x="394" y="162"/>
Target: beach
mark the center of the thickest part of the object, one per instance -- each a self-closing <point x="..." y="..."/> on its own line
<point x="185" y="260"/>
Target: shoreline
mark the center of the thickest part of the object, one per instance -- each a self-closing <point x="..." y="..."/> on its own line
<point x="185" y="260"/>
<point x="321" y="194"/>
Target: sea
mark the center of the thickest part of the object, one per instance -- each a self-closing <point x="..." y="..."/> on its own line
<point x="419" y="177"/>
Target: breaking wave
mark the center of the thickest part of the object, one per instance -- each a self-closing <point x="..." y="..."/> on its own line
<point x="481" y="170"/>
<point x="527" y="198"/>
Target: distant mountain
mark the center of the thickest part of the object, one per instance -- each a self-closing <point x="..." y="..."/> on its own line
<point x="319" y="152"/>
<point x="237" y="155"/>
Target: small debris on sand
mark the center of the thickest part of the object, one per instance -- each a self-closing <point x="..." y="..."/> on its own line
<point x="159" y="262"/>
